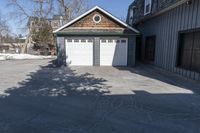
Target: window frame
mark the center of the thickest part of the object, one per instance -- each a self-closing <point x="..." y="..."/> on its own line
<point x="131" y="16"/>
<point x="94" y="18"/>
<point x="146" y="3"/>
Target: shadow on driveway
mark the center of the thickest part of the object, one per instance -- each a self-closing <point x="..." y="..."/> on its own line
<point x="59" y="100"/>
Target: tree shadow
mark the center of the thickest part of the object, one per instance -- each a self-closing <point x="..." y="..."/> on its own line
<point x="61" y="100"/>
<point x="59" y="81"/>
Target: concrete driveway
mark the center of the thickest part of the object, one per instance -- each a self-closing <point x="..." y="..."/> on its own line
<point x="36" y="97"/>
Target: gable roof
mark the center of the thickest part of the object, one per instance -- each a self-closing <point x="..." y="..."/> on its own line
<point x="91" y="10"/>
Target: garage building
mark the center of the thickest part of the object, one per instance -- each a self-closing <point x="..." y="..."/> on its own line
<point x="96" y="38"/>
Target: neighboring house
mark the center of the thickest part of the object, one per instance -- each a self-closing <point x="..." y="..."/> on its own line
<point x="96" y="38"/>
<point x="57" y="21"/>
<point x="11" y="47"/>
<point x="170" y="34"/>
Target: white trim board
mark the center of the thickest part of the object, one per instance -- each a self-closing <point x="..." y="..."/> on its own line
<point x="91" y="10"/>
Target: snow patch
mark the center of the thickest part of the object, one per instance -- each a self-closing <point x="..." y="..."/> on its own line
<point x="22" y="57"/>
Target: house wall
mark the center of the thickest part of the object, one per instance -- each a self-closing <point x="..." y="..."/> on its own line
<point x="166" y="27"/>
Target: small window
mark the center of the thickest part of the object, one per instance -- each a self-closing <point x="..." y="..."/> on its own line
<point x="103" y="40"/>
<point x="130" y="16"/>
<point x="110" y="41"/>
<point x="76" y="40"/>
<point x="97" y="18"/>
<point x="123" y="41"/>
<point x="83" y="40"/>
<point x="147" y="7"/>
<point x="90" y="40"/>
<point x="69" y="40"/>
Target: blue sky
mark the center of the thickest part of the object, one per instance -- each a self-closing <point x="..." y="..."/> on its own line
<point x="117" y="7"/>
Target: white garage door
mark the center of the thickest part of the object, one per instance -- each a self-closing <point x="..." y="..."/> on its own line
<point x="79" y="52"/>
<point x="113" y="52"/>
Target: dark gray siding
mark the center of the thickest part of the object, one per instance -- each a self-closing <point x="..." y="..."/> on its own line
<point x="61" y="55"/>
<point x="96" y="51"/>
<point x="131" y="50"/>
<point x="166" y="28"/>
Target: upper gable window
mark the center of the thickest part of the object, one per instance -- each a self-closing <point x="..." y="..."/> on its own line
<point x="147" y="7"/>
<point x="130" y="16"/>
<point x="97" y="18"/>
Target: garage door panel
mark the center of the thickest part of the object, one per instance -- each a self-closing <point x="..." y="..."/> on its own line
<point x="79" y="53"/>
<point x="113" y="53"/>
<point x="120" y="56"/>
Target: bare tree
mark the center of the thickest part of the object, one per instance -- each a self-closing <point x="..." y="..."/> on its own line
<point x="43" y="8"/>
<point x="4" y="28"/>
<point x="72" y="8"/>
<point x="40" y="9"/>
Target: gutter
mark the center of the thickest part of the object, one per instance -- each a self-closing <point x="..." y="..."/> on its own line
<point x="92" y="34"/>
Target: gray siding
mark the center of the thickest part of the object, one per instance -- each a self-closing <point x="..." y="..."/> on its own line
<point x="131" y="50"/>
<point x="61" y="55"/>
<point x="166" y="28"/>
<point x="96" y="51"/>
